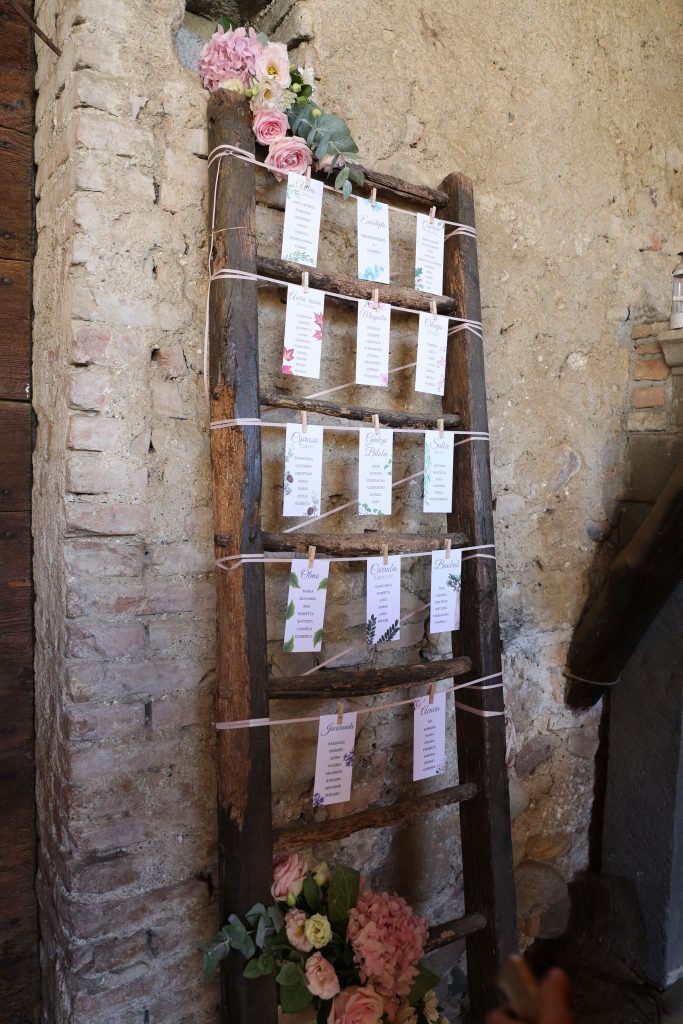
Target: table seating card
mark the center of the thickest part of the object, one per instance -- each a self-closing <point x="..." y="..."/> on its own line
<point x="429" y="240"/>
<point x="303" y="331"/>
<point x="383" y="597"/>
<point x="444" y="615"/>
<point x="375" y="458"/>
<point x="306" y="605"/>
<point x="301" y="229"/>
<point x="373" y="240"/>
<point x="303" y="470"/>
<point x="432" y="340"/>
<point x="438" y="471"/>
<point x="429" y="737"/>
<point x="334" y="759"/>
<point x="372" y="344"/>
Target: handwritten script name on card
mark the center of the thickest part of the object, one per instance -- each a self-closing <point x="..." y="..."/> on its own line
<point x="334" y="759"/>
<point x="303" y="470"/>
<point x="301" y="230"/>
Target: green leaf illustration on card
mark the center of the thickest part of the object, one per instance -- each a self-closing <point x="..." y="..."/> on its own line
<point x="288" y="645"/>
<point x="323" y="584"/>
<point x="317" y="637"/>
<point x="291" y="608"/>
<point x="371" y="628"/>
<point x="390" y="633"/>
<point x="294" y="580"/>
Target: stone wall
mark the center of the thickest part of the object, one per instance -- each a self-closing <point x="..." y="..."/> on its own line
<point x="567" y="132"/>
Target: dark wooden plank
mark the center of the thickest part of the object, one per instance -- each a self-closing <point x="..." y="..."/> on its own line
<point x="16" y="166"/>
<point x="639" y="582"/>
<point x="15" y="456"/>
<point x="352" y="287"/>
<point x="388" y="417"/>
<point x="356" y="544"/>
<point x="16" y="690"/>
<point x="459" y="928"/>
<point x="330" y="683"/>
<point x="243" y="756"/>
<point x="396" y="815"/>
<point x="15" y="571"/>
<point x="15" y="328"/>
<point x="387" y="184"/>
<point x="485" y="821"/>
<point x="15" y="39"/>
<point x="16" y="109"/>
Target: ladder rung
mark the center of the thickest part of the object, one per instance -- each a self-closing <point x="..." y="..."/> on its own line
<point x="331" y="683"/>
<point x="403" y="812"/>
<point x="354" y="544"/>
<point x="442" y="934"/>
<point x="388" y="417"/>
<point x="405" y="189"/>
<point x="352" y="287"/>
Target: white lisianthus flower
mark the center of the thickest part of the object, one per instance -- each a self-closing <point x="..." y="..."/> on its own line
<point x="307" y="76"/>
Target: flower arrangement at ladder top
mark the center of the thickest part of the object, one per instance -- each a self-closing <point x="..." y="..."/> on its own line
<point x="355" y="956"/>
<point x="286" y="118"/>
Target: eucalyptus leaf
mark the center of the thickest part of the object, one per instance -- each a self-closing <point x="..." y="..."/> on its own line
<point x="254" y="913"/>
<point x="262" y="38"/>
<point x="239" y="937"/>
<point x="277" y="917"/>
<point x="262" y="931"/>
<point x="347" y="189"/>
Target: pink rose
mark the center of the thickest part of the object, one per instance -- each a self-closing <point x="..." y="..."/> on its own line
<point x="295" y="923"/>
<point x="229" y="57"/>
<point x="289" y="871"/>
<point x="273" y="62"/>
<point x="269" y="126"/>
<point x="321" y="978"/>
<point x="356" y="1006"/>
<point x="289" y="155"/>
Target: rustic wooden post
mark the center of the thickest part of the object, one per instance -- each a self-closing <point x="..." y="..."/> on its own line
<point x="243" y="757"/>
<point x="485" y="820"/>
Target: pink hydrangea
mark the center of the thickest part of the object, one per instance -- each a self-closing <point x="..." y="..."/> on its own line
<point x="292" y="154"/>
<point x="228" y="57"/>
<point x="388" y="939"/>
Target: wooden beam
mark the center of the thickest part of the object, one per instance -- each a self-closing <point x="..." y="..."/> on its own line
<point x="485" y="822"/>
<point x="402" y="812"/>
<point x="450" y="931"/>
<point x="352" y="287"/>
<point x="15" y="455"/>
<point x="357" y="544"/>
<point x="243" y="756"/>
<point x="639" y="581"/>
<point x="388" y="417"/>
<point x="331" y="683"/>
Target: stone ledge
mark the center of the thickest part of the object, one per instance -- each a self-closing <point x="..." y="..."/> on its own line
<point x="672" y="346"/>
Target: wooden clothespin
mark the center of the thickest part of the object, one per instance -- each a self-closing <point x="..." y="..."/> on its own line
<point x="304" y="422"/>
<point x="304" y="281"/>
<point x="448" y="548"/>
<point x="340" y="713"/>
<point x="311" y="555"/>
<point x="432" y="214"/>
<point x="375" y="298"/>
<point x="432" y="307"/>
<point x="439" y="427"/>
<point x="373" y="197"/>
<point x="432" y="691"/>
<point x="308" y="174"/>
<point x="385" y="553"/>
<point x="375" y="422"/>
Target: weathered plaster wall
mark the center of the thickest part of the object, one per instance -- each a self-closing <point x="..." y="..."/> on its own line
<point x="566" y="119"/>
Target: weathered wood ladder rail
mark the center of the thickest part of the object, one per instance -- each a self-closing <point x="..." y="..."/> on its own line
<point x="245" y="834"/>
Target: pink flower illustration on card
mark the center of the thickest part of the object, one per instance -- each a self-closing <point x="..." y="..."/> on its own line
<point x="318" y="333"/>
<point x="287" y="357"/>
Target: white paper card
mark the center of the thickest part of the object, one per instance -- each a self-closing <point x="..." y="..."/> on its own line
<point x="429" y="737"/>
<point x="303" y="470"/>
<point x="372" y="344"/>
<point x="373" y="241"/>
<point x="334" y="759"/>
<point x="301" y="229"/>
<point x="438" y="467"/>
<point x="306" y="605"/>
<point x="432" y="340"/>
<point x="444" y="615"/>
<point x="383" y="610"/>
<point x="429" y="239"/>
<point x="375" y="457"/>
<point x="303" y="332"/>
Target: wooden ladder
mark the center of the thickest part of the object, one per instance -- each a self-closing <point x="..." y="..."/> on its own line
<point x="246" y="839"/>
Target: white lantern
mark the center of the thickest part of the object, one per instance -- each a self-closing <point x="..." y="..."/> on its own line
<point x="677" y="297"/>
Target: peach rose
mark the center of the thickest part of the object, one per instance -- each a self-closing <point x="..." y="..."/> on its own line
<point x="321" y="978"/>
<point x="295" y="924"/>
<point x="289" y="871"/>
<point x="291" y="154"/>
<point x="269" y="126"/>
<point x="356" y="1005"/>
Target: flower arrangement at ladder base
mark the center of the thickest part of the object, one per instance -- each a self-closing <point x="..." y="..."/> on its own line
<point x="355" y="956"/>
<point x="286" y="118"/>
